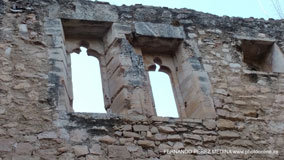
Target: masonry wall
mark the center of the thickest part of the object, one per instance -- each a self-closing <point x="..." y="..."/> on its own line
<point x="35" y="89"/>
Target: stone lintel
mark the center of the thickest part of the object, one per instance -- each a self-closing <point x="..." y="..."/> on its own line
<point x="159" y="30"/>
<point x="259" y="39"/>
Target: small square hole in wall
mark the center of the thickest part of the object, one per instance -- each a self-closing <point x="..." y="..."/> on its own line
<point x="263" y="56"/>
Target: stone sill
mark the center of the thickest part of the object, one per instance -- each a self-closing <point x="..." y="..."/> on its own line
<point x="264" y="39"/>
<point x="133" y="118"/>
<point x="262" y="73"/>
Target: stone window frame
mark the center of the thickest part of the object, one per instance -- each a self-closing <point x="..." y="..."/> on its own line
<point x="92" y="41"/>
<point x="161" y="40"/>
<point x="269" y="59"/>
<point x="167" y="66"/>
<point x="130" y="96"/>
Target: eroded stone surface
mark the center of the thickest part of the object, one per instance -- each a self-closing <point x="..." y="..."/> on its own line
<point x="208" y="69"/>
<point x="118" y="151"/>
<point x="159" y="30"/>
<point x="80" y="150"/>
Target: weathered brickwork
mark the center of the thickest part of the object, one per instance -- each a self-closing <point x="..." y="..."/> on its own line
<point x="226" y="73"/>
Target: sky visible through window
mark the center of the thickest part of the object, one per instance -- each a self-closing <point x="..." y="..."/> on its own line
<point x="237" y="8"/>
<point x="163" y="94"/>
<point x="87" y="88"/>
<point x="87" y="83"/>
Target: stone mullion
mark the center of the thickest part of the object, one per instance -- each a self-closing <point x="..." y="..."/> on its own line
<point x="59" y="75"/>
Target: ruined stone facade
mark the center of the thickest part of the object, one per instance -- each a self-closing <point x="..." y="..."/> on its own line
<point x="226" y="73"/>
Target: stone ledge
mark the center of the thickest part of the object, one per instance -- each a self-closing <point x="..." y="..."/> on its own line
<point x="264" y="39"/>
<point x="134" y="118"/>
<point x="261" y="73"/>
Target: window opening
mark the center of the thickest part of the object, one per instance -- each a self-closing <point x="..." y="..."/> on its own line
<point x="162" y="92"/>
<point x="263" y="56"/>
<point x="87" y="84"/>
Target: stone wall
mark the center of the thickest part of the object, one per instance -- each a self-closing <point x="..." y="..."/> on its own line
<point x="36" y="116"/>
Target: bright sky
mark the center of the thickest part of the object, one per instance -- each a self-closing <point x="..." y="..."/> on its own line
<point x="86" y="76"/>
<point x="237" y="8"/>
<point x="163" y="94"/>
<point x="87" y="83"/>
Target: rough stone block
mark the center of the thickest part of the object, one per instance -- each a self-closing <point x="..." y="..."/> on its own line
<point x="107" y="139"/>
<point x="166" y="129"/>
<point x="225" y="124"/>
<point x="125" y="140"/>
<point x="6" y="144"/>
<point x="80" y="150"/>
<point x="140" y="128"/>
<point x="120" y="103"/>
<point x="192" y="136"/>
<point x="21" y="157"/>
<point x="209" y="124"/>
<point x="204" y="157"/>
<point x="117" y="61"/>
<point x="178" y="146"/>
<point x="175" y="137"/>
<point x="228" y="134"/>
<point x="126" y="127"/>
<point x="47" y="135"/>
<point x="118" y="152"/>
<point x="116" y="31"/>
<point x="92" y="157"/>
<point x="131" y="135"/>
<point x="103" y="13"/>
<point x="23" y="28"/>
<point x="146" y="143"/>
<point x="116" y="83"/>
<point x="78" y="135"/>
<point x="209" y="138"/>
<point x="160" y="137"/>
<point x="96" y="149"/>
<point x="52" y="23"/>
<point x="24" y="148"/>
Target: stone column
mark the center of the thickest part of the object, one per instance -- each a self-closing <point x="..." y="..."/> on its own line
<point x="60" y="83"/>
<point x="126" y="75"/>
